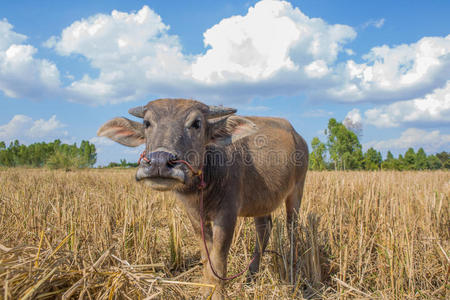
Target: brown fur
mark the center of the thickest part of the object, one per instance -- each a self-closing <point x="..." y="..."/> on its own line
<point x="251" y="166"/>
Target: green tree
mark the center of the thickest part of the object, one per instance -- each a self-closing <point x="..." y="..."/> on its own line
<point x="317" y="157"/>
<point x="92" y="155"/>
<point x="63" y="160"/>
<point x="401" y="163"/>
<point x="88" y="154"/>
<point x="357" y="159"/>
<point x="113" y="165"/>
<point x="54" y="154"/>
<point x="421" y="160"/>
<point x="372" y="159"/>
<point x="343" y="146"/>
<point x="3" y="154"/>
<point x="433" y="162"/>
<point x="444" y="157"/>
<point x="388" y="163"/>
<point x="410" y="159"/>
<point x="392" y="163"/>
<point x="123" y="163"/>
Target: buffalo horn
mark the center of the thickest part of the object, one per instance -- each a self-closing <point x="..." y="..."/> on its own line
<point x="138" y="111"/>
<point x="219" y="111"/>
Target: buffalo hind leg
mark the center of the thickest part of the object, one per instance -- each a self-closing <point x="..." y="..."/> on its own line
<point x="263" y="227"/>
<point x="292" y="212"/>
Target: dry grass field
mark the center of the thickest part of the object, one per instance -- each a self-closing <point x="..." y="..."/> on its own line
<point x="97" y="234"/>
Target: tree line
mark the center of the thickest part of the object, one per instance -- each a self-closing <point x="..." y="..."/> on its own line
<point x="122" y="164"/>
<point x="344" y="151"/>
<point x="54" y="155"/>
<point x="341" y="151"/>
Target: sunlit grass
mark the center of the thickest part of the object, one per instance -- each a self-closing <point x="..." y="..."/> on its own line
<point x="363" y="234"/>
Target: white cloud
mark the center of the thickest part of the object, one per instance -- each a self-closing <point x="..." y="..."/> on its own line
<point x="101" y="141"/>
<point x="22" y="75"/>
<point x="103" y="145"/>
<point x="16" y="127"/>
<point x="271" y="38"/>
<point x="133" y="52"/>
<point x="273" y="48"/>
<point x="23" y="128"/>
<point x="375" y="23"/>
<point x="432" y="109"/>
<point x="43" y="128"/>
<point x="317" y="69"/>
<point x="431" y="141"/>
<point x="394" y="73"/>
<point x="349" y="51"/>
<point x="8" y="36"/>
<point x="353" y="121"/>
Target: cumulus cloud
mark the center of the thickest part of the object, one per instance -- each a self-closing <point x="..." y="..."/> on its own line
<point x="273" y="48"/>
<point x="433" y="109"/>
<point x="272" y="37"/>
<point x="16" y="127"/>
<point x="133" y="52"/>
<point x="8" y="36"/>
<point x="101" y="141"/>
<point x="104" y="145"/>
<point x="431" y="141"/>
<point x="26" y="129"/>
<point x="21" y="74"/>
<point x="353" y="121"/>
<point x="396" y="73"/>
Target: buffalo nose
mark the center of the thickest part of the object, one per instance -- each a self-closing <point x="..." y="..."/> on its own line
<point x="160" y="159"/>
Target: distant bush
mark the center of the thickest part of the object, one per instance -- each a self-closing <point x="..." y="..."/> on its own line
<point x="61" y="160"/>
<point x="54" y="155"/>
<point x="345" y="153"/>
<point x="123" y="164"/>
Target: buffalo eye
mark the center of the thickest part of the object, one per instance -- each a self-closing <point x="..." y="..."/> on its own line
<point x="146" y="123"/>
<point x="196" y="124"/>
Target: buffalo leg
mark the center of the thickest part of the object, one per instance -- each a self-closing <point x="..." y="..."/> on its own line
<point x="196" y="225"/>
<point x="223" y="229"/>
<point x="263" y="227"/>
<point x="292" y="210"/>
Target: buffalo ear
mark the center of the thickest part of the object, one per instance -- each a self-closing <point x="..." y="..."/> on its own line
<point x="123" y="131"/>
<point x="230" y="129"/>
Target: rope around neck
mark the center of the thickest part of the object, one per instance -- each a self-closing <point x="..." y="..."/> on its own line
<point x="201" y="187"/>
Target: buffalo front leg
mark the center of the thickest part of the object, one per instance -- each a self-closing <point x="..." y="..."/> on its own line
<point x="196" y="225"/>
<point x="222" y="230"/>
<point x="263" y="227"/>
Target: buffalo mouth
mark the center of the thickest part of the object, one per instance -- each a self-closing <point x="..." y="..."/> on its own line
<point x="161" y="182"/>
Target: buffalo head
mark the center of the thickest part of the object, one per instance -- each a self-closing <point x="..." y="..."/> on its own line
<point x="175" y="129"/>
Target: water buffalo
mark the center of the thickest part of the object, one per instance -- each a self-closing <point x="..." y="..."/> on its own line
<point x="250" y="164"/>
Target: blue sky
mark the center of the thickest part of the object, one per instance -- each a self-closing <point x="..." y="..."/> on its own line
<point x="66" y="67"/>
